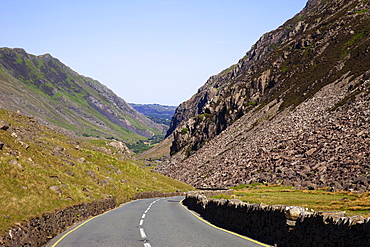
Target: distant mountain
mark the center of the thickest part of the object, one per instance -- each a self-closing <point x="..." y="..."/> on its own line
<point x="294" y="110"/>
<point x="161" y="114"/>
<point x="43" y="87"/>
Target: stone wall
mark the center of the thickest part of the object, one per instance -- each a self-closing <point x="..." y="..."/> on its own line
<point x="155" y="194"/>
<point x="281" y="225"/>
<point x="39" y="230"/>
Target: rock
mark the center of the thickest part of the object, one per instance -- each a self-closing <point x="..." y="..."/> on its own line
<point x="25" y="145"/>
<point x="81" y="160"/>
<point x="118" y="172"/>
<point x="104" y="150"/>
<point x="1" y="145"/>
<point x="16" y="164"/>
<point x="84" y="189"/>
<point x="69" y="173"/>
<point x="104" y="182"/>
<point x="292" y="213"/>
<point x="291" y="223"/>
<point x="69" y="162"/>
<point x="4" y="125"/>
<point x="120" y="147"/>
<point x="311" y="151"/>
<point x="91" y="174"/>
<point x="57" y="189"/>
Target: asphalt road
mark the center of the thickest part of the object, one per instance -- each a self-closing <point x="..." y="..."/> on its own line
<point x="149" y="222"/>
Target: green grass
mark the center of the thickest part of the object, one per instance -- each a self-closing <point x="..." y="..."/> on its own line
<point x="362" y="11"/>
<point x="25" y="193"/>
<point x="49" y="85"/>
<point x="318" y="200"/>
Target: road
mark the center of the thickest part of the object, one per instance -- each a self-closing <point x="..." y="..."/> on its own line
<point x="149" y="222"/>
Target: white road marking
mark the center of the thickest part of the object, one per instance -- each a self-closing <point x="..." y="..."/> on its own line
<point x="142" y="233"/>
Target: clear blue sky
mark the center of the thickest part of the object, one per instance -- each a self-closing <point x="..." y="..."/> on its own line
<point x="158" y="51"/>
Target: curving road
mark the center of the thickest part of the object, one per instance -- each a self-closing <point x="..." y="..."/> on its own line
<point x="149" y="222"/>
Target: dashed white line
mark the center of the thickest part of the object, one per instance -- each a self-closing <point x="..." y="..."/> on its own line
<point x="142" y="233"/>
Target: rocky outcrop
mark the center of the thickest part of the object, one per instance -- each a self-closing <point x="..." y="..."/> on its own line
<point x="120" y="148"/>
<point x="296" y="115"/>
<point x="281" y="225"/>
<point x="291" y="63"/>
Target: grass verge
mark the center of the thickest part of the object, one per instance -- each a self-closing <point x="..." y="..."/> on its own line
<point x="317" y="200"/>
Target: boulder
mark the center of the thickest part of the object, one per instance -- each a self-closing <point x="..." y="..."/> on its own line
<point x="16" y="164"/>
<point x="81" y="160"/>
<point x="91" y="174"/>
<point x="57" y="189"/>
<point x="4" y="125"/>
<point x="120" y="147"/>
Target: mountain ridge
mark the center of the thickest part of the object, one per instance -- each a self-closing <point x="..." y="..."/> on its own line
<point x="44" y="87"/>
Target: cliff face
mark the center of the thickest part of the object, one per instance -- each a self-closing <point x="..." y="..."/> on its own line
<point x="247" y="109"/>
<point x="43" y="87"/>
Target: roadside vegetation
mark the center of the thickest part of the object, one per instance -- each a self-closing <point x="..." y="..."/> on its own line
<point x="317" y="200"/>
<point x="42" y="170"/>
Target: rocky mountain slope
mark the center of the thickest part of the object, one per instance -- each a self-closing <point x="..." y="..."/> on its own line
<point x="43" y="87"/>
<point x="293" y="110"/>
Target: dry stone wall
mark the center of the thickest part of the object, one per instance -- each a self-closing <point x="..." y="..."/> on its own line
<point x="281" y="225"/>
<point x="155" y="194"/>
<point x="39" y="230"/>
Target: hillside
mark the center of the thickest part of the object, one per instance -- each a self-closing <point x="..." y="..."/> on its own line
<point x="43" y="87"/>
<point x="161" y="114"/>
<point x="43" y="170"/>
<point x="293" y="110"/>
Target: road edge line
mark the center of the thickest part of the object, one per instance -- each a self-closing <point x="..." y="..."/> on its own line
<point x="219" y="228"/>
<point x="83" y="223"/>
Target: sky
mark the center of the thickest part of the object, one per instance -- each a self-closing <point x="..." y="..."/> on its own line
<point x="158" y="51"/>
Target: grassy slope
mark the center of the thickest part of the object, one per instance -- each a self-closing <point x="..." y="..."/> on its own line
<point x="318" y="200"/>
<point x="24" y="188"/>
<point x="53" y="92"/>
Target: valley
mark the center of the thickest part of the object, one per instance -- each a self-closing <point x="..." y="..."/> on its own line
<point x="288" y="122"/>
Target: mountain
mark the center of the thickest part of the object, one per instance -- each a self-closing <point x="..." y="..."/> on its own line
<point x="293" y="110"/>
<point x="43" y="87"/>
<point x="161" y="114"/>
